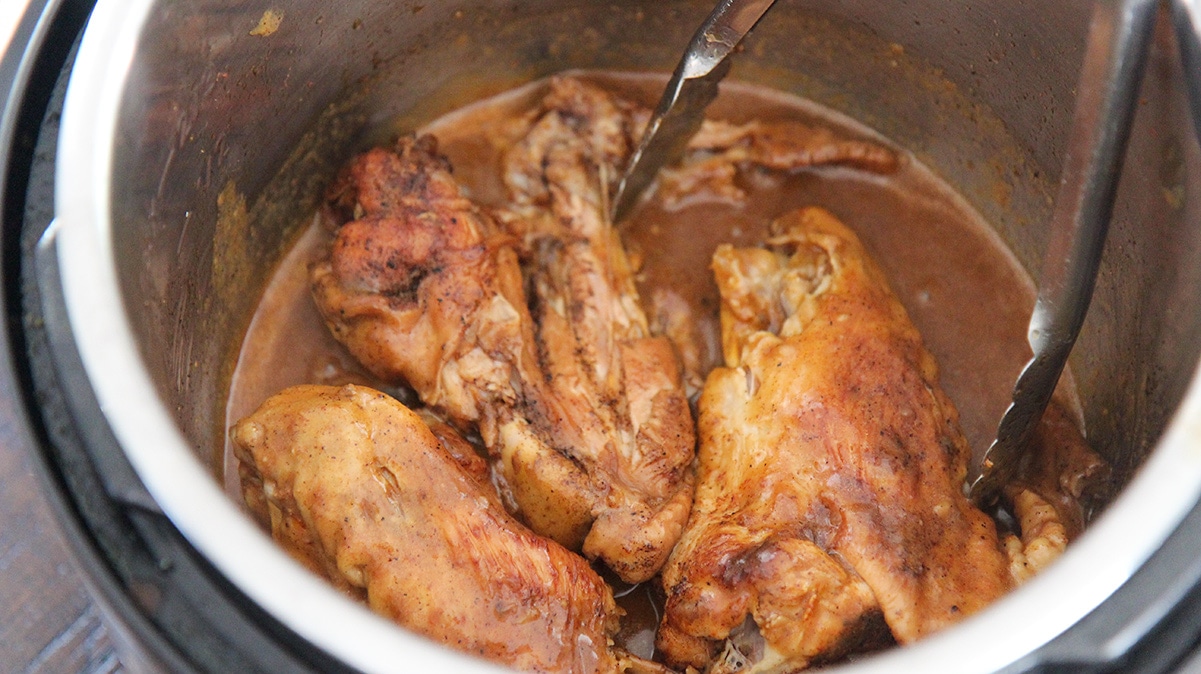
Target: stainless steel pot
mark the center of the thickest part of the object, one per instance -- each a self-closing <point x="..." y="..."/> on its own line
<point x="197" y="136"/>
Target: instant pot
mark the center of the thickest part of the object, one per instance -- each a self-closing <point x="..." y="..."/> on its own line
<point x="157" y="158"/>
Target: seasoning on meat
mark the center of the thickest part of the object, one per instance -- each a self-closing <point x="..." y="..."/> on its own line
<point x="582" y="410"/>
<point x="356" y="487"/>
<point x="830" y="494"/>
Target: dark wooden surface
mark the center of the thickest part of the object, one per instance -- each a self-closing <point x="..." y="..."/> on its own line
<point x="47" y="621"/>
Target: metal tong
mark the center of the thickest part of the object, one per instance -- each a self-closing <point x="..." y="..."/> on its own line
<point x="691" y="88"/>
<point x="1118" y="39"/>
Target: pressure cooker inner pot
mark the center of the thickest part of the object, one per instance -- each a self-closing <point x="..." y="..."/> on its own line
<point x="233" y="118"/>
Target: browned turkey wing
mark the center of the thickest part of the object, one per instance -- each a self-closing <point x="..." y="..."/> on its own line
<point x="720" y="150"/>
<point x="582" y="410"/>
<point x="831" y="465"/>
<point x="422" y="288"/>
<point x="620" y="409"/>
<point x="356" y="486"/>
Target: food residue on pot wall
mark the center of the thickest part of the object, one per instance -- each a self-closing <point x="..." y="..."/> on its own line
<point x="268" y="23"/>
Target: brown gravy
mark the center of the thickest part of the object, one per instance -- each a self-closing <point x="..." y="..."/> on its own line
<point x="963" y="289"/>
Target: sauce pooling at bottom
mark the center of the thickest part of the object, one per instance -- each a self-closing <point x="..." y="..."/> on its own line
<point x="962" y="288"/>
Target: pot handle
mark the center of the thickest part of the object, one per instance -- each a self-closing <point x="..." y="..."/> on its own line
<point x="116" y="475"/>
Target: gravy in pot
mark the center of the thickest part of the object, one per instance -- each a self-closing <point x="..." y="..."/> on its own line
<point x="962" y="288"/>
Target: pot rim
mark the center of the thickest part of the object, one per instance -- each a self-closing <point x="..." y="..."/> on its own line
<point x="1137" y="523"/>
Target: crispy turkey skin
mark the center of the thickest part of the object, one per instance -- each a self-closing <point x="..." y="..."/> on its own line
<point x="582" y="410"/>
<point x="614" y="390"/>
<point x="831" y="468"/>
